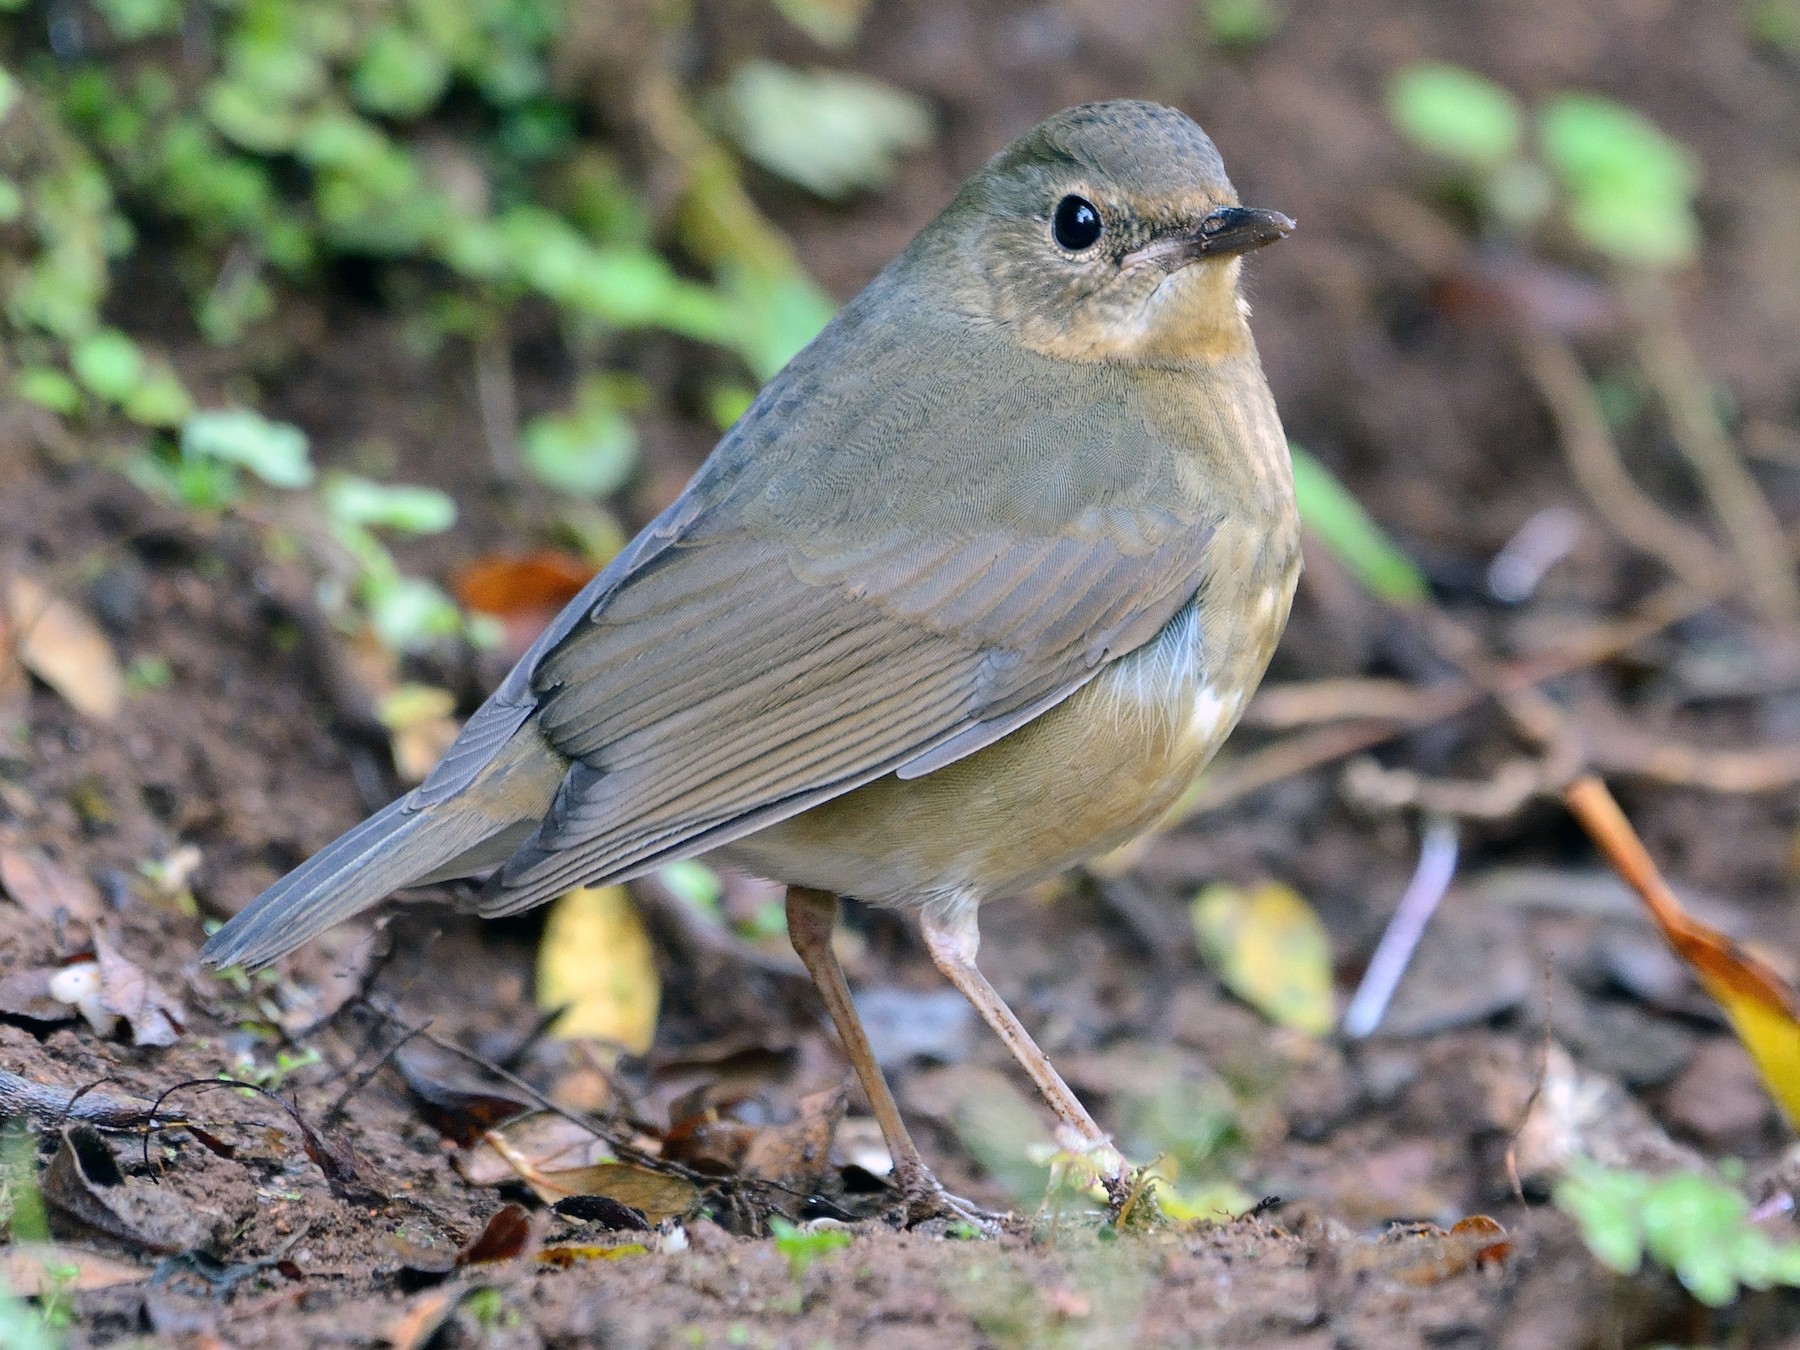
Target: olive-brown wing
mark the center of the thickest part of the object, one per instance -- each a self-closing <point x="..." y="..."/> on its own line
<point x="733" y="681"/>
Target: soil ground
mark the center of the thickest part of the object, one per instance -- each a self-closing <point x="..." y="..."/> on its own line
<point x="1426" y="412"/>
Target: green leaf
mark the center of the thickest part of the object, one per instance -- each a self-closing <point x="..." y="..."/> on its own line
<point x="12" y="201"/>
<point x="589" y="451"/>
<point x="1341" y="524"/>
<point x="352" y="500"/>
<point x="48" y="388"/>
<point x="409" y="613"/>
<point x="159" y="399"/>
<point x="274" y="451"/>
<point x="803" y="1246"/>
<point x="400" y="74"/>
<point x="131" y="20"/>
<point x="1630" y="187"/>
<point x="780" y="312"/>
<point x="830" y="23"/>
<point x="1607" y="1204"/>
<point x="831" y="132"/>
<point x="108" y="364"/>
<point x="9" y="93"/>
<point x="1455" y="113"/>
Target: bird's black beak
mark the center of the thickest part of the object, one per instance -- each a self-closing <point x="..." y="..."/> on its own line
<point x="1238" y="229"/>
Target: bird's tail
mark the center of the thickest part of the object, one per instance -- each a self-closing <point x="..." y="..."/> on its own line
<point x="401" y="845"/>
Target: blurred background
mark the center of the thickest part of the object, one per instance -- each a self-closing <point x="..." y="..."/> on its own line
<point x="340" y="341"/>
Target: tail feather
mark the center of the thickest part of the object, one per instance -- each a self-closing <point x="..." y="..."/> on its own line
<point x="391" y="849"/>
<point x="403" y="844"/>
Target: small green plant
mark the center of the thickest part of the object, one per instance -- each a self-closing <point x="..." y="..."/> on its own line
<point x="1696" y="1226"/>
<point x="272" y="1076"/>
<point x="1625" y="189"/>
<point x="802" y="1246"/>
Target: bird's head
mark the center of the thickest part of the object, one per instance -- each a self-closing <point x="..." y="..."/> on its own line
<point x="1107" y="233"/>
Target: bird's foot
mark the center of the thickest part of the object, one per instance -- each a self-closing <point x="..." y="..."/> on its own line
<point x="923" y="1200"/>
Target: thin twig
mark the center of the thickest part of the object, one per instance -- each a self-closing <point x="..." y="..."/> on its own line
<point x="1751" y="527"/>
<point x="1595" y="461"/>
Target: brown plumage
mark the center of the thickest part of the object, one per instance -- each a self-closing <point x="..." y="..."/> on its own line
<point x="971" y="592"/>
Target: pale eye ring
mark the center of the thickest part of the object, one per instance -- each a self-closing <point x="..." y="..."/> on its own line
<point x="1076" y="225"/>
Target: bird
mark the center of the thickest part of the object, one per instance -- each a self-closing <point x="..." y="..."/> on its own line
<point x="971" y="592"/>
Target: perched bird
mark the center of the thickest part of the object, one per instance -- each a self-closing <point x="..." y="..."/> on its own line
<point x="971" y="592"/>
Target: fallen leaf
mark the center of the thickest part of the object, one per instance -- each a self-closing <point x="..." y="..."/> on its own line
<point x="595" y="960"/>
<point x="422" y="1319"/>
<point x="42" y="888"/>
<point x="1271" y="951"/>
<point x="545" y="1140"/>
<point x="1760" y="1004"/>
<point x="507" y="1234"/>
<point x="461" y="1114"/>
<point x="61" y="646"/>
<point x="32" y="1269"/>
<point x="26" y="994"/>
<point x="569" y="1255"/>
<point x="523" y="591"/>
<point x="795" y="1155"/>
<point x="84" y="1181"/>
<point x="655" y="1195"/>
<point x="155" y="1017"/>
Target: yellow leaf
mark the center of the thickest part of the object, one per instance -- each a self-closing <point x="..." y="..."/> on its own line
<point x="1271" y="951"/>
<point x="1761" y="1005"/>
<point x="596" y="961"/>
<point x="62" y="647"/>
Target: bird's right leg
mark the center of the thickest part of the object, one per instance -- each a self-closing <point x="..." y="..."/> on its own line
<point x="811" y="915"/>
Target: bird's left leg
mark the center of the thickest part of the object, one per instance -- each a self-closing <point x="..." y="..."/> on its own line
<point x="952" y="939"/>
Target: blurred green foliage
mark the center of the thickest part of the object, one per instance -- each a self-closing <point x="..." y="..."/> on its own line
<point x="263" y="143"/>
<point x="1626" y="189"/>
<point x="1695" y="1225"/>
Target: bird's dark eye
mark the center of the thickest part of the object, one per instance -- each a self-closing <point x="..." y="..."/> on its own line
<point x="1077" y="224"/>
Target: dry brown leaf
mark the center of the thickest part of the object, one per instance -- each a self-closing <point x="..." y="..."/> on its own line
<point x="32" y="1268"/>
<point x="507" y="1234"/>
<point x="545" y="1140"/>
<point x="156" y="1018"/>
<point x="61" y="646"/>
<point x="42" y="888"/>
<point x="796" y="1154"/>
<point x="656" y="1195"/>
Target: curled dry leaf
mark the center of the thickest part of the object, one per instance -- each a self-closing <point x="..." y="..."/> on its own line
<point x="796" y="1154"/>
<point x="85" y="1182"/>
<point x="61" y="646"/>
